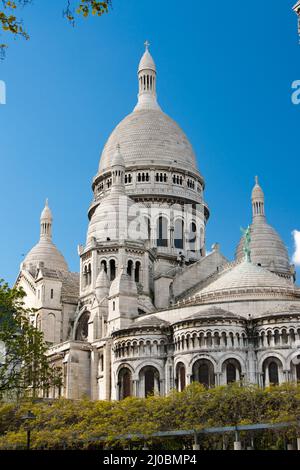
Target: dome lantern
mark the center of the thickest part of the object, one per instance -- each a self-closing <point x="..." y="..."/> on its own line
<point x="46" y="223"/>
<point x="258" y="201"/>
<point x="147" y="82"/>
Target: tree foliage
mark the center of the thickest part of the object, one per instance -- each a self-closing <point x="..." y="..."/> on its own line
<point x="11" y="22"/>
<point x="80" y="424"/>
<point x="24" y="368"/>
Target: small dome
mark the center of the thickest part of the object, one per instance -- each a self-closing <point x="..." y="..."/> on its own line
<point x="267" y="248"/>
<point x="245" y="276"/>
<point x="45" y="252"/>
<point x="212" y="313"/>
<point x="147" y="62"/>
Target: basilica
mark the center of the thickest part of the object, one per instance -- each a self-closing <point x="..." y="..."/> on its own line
<point x="150" y="309"/>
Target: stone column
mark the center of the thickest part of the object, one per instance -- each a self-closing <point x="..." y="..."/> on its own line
<point x="171" y="236"/>
<point x="272" y="341"/>
<point x="153" y="235"/>
<point x="134" y="388"/>
<point x="94" y="373"/>
<point x="218" y="378"/>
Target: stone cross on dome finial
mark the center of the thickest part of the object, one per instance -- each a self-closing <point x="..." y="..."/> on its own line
<point x="147" y="44"/>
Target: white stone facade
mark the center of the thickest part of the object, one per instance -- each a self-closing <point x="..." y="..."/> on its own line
<point x="150" y="310"/>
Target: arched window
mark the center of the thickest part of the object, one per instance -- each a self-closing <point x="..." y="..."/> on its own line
<point x="179" y="233"/>
<point x="162" y="232"/>
<point x="112" y="266"/>
<point x="104" y="265"/>
<point x="180" y="377"/>
<point x="149" y="378"/>
<point x="192" y="236"/>
<point x="125" y="383"/>
<point x="203" y="372"/>
<point x="232" y="370"/>
<point x="85" y="276"/>
<point x="88" y="272"/>
<point x="137" y="271"/>
<point x="271" y="370"/>
<point x="129" y="267"/>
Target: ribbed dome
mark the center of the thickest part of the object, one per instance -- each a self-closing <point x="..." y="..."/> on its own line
<point x="45" y="252"/>
<point x="267" y="248"/>
<point x="149" y="137"/>
<point x="246" y="276"/>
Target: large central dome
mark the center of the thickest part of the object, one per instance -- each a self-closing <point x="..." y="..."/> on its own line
<point x="149" y="136"/>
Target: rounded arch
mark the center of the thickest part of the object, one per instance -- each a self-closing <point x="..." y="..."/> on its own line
<point x="231" y="370"/>
<point x="271" y="353"/>
<point x="81" y="326"/>
<point x="149" y="381"/>
<point x="124" y="382"/>
<point x="294" y="365"/>
<point x="112" y="268"/>
<point x="162" y="229"/>
<point x="179" y="233"/>
<point x="137" y="271"/>
<point x="272" y="369"/>
<point x="130" y="264"/>
<point x="203" y="371"/>
<point x="232" y="355"/>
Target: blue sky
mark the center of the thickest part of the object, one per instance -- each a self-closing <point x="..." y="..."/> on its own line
<point x="224" y="74"/>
